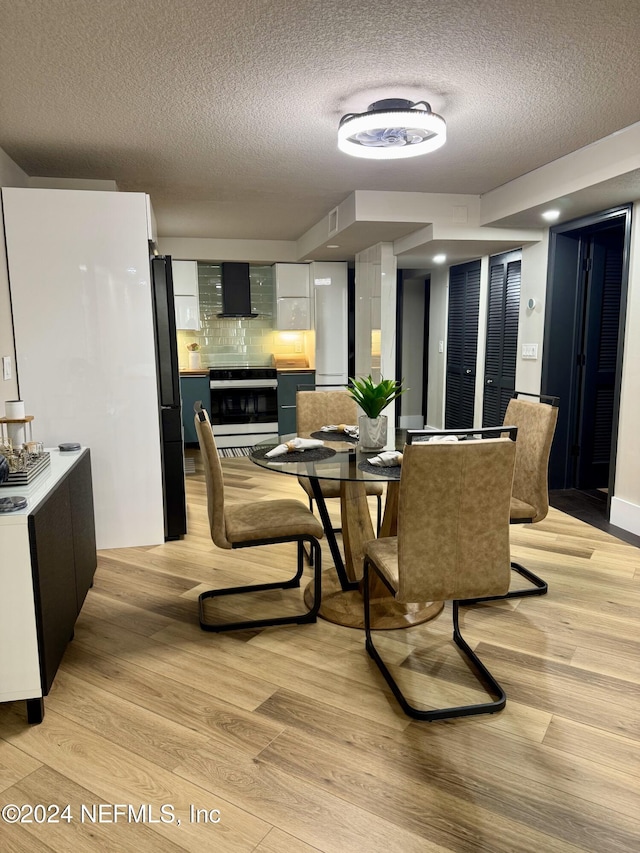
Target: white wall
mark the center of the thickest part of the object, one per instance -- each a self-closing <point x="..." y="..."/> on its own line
<point x="412" y="350"/>
<point x="438" y="308"/>
<point x="625" y="503"/>
<point x="209" y="249"/>
<point x="10" y="176"/>
<point x="531" y="320"/>
<point x="375" y="310"/>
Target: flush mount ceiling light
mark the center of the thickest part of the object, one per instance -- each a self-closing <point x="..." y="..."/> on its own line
<point x="392" y="129"/>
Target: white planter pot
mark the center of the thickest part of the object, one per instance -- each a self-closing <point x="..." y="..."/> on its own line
<point x="373" y="432"/>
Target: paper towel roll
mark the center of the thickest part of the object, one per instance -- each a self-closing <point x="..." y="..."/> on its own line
<point x="14" y="409"/>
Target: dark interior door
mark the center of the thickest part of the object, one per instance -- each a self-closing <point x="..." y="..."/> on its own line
<point x="598" y="356"/>
<point x="502" y="336"/>
<point x="462" y="344"/>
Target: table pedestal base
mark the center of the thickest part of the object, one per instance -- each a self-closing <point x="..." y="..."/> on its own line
<point x="347" y="607"/>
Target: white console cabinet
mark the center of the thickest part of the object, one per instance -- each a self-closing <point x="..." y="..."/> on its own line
<point x="48" y="561"/>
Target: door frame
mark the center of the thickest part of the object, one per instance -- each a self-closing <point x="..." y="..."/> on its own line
<point x="563" y="315"/>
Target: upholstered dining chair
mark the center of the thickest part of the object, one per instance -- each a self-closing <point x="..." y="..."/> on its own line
<point x="452" y="541"/>
<point x="536" y="422"/>
<point x="318" y="408"/>
<point x="250" y="523"/>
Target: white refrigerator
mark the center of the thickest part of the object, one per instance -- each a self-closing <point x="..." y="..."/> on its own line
<point x="84" y="326"/>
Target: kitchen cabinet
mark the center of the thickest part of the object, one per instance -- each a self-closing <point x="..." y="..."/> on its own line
<point x="186" y="295"/>
<point x="293" y="306"/>
<point x="49" y="559"/>
<point x="288" y="382"/>
<point x="192" y="389"/>
<point x="329" y="287"/>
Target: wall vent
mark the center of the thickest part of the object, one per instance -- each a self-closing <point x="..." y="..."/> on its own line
<point x="333" y="221"/>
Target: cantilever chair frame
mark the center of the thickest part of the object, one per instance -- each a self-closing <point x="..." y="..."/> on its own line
<point x="483" y="676"/>
<point x="538" y="585"/>
<point x="296" y="619"/>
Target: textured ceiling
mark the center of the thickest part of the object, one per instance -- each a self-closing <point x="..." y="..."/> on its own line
<point x="226" y="112"/>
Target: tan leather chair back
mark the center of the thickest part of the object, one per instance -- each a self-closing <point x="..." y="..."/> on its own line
<point x="214" y="480"/>
<point x="315" y="409"/>
<point x="453" y="519"/>
<point x="536" y="424"/>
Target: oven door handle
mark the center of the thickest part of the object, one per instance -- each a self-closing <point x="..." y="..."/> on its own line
<point x="242" y="384"/>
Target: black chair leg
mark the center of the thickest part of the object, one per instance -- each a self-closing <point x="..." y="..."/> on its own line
<point x="297" y="619"/>
<point x="540" y="587"/>
<point x="482" y="673"/>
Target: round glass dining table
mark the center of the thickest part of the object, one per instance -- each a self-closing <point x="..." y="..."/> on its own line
<point x="345" y="461"/>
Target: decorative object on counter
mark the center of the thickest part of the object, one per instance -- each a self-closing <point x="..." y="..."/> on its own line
<point x="194" y="355"/>
<point x="24" y="460"/>
<point x="4" y="468"/>
<point x="15" y="422"/>
<point x="12" y="504"/>
<point x="68" y="446"/>
<point x="373" y="397"/>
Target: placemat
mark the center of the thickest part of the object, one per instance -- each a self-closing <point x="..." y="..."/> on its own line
<point x="391" y="471"/>
<point x="334" y="436"/>
<point x="314" y="454"/>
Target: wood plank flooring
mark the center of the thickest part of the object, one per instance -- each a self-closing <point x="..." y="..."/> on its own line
<point x="286" y="740"/>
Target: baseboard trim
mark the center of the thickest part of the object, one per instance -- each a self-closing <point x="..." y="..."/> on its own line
<point x="625" y="515"/>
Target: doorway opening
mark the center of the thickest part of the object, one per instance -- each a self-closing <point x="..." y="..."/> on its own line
<point x="582" y="359"/>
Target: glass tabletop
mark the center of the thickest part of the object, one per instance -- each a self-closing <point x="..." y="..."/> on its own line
<point x="346" y="461"/>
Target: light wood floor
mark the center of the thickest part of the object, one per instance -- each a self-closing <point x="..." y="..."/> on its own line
<point x="291" y="734"/>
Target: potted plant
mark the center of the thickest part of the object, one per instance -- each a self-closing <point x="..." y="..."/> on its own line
<point x="373" y="397"/>
<point x="194" y="355"/>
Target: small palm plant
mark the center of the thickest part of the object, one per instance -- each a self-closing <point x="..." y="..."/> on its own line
<point x="373" y="397"/>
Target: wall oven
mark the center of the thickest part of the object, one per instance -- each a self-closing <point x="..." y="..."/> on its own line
<point x="244" y="405"/>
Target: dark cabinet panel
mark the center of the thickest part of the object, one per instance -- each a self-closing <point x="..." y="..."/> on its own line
<point x="54" y="579"/>
<point x="83" y="524"/>
<point x="62" y="544"/>
<point x="287" y="387"/>
<point x="192" y="389"/>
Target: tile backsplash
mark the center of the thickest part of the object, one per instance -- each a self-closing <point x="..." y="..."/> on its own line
<point x="238" y="341"/>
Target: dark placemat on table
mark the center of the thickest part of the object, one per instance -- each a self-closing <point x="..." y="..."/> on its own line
<point x="391" y="471"/>
<point x="314" y="454"/>
<point x="325" y="435"/>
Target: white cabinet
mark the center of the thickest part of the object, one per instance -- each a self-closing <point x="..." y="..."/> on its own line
<point x="293" y="308"/>
<point x="329" y="287"/>
<point x="185" y="278"/>
<point x="185" y="290"/>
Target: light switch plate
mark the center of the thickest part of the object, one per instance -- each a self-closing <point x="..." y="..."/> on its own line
<point x="530" y="351"/>
<point x="6" y="367"/>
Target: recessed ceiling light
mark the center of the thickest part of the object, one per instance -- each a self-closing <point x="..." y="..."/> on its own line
<point x="391" y="129"/>
<point x="439" y="259"/>
<point x="332" y="246"/>
<point x="551" y="215"/>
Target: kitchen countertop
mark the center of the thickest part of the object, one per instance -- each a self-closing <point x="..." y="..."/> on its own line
<point x="200" y="371"/>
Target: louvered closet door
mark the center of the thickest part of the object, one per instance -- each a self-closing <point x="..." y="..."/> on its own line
<point x="502" y="336"/>
<point x="600" y="348"/>
<point x="462" y="344"/>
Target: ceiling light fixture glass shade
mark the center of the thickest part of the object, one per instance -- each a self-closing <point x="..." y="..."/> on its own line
<point x="392" y="129"/>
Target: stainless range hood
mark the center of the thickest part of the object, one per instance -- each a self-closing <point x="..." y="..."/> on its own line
<point x="236" y="291"/>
